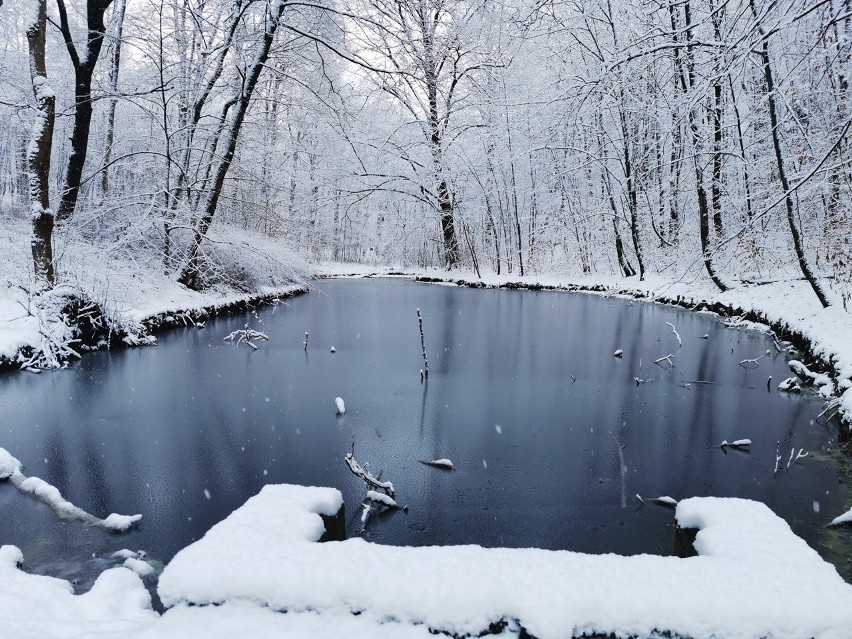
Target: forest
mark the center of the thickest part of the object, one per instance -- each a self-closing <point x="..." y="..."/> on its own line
<point x="693" y="139"/>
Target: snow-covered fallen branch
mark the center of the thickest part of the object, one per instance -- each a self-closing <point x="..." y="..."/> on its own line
<point x="739" y="443"/>
<point x="366" y="476"/>
<point x="246" y="336"/>
<point x="676" y="334"/>
<point x="10" y="468"/>
<point x="843" y="520"/>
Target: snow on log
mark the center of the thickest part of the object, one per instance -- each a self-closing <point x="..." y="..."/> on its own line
<point x="738" y="443"/>
<point x="341" y="407"/>
<point x="443" y="464"/>
<point x="843" y="520"/>
<point x="381" y="498"/>
<point x="8" y="464"/>
<point x="10" y="468"/>
<point x="366" y="477"/>
<point x="665" y="500"/>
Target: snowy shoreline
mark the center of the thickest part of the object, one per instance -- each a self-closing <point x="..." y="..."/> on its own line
<point x="787" y="309"/>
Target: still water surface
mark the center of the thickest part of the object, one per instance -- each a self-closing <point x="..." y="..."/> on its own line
<point x="550" y="434"/>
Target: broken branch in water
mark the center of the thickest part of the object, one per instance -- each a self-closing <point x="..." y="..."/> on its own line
<point x="366" y="476"/>
<point x="739" y="443"/>
<point x="246" y="336"/>
<point x="668" y="358"/>
<point x="676" y="334"/>
<point x="305" y="343"/>
<point x="751" y="363"/>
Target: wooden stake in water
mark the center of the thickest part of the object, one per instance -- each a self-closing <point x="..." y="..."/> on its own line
<point x="425" y="371"/>
<point x="306" y="342"/>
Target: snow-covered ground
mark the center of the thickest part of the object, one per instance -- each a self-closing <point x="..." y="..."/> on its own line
<point x="790" y="304"/>
<point x="132" y="289"/>
<point x="268" y="577"/>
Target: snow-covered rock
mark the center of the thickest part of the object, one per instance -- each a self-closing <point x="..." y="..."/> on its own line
<point x="341" y="406"/>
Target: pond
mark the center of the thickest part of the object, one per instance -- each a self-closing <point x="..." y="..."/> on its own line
<point x="551" y="435"/>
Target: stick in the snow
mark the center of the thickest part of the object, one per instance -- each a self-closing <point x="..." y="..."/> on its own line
<point x="423" y="346"/>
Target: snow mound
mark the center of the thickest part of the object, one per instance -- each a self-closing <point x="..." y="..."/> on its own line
<point x="341" y="406"/>
<point x="39" y="607"/>
<point x="753" y="577"/>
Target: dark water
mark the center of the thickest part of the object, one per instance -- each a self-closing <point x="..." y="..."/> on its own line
<point x="544" y="459"/>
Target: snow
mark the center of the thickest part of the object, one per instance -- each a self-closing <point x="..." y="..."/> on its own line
<point x="753" y="577"/>
<point x="845" y="518"/>
<point x="8" y="464"/>
<point x="120" y="522"/>
<point x="39" y="607"/>
<point x="381" y="498"/>
<point x="445" y="464"/>
<point x="139" y="566"/>
<point x="341" y="406"/>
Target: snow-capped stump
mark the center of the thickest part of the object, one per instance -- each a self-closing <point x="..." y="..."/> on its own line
<point x="305" y="343"/>
<point x="790" y="385"/>
<point x="618" y="353"/>
<point x="8" y="464"/>
<point x="665" y="500"/>
<point x="341" y="407"/>
<point x="442" y="464"/>
<point x="333" y="350"/>
<point x="843" y="520"/>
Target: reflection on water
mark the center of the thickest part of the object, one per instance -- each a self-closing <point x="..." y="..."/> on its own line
<point x="551" y="435"/>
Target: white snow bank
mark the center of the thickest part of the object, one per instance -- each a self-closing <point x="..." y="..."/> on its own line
<point x="17" y="329"/>
<point x="753" y="578"/>
<point x="39" y="607"/>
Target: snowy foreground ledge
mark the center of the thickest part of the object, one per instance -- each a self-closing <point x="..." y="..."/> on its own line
<point x="753" y="577"/>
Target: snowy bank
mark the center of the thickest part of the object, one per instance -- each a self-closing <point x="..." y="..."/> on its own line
<point x="112" y="298"/>
<point x="753" y="577"/>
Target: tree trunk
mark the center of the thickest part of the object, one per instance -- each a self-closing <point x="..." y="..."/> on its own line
<point x="779" y="161"/>
<point x="40" y="149"/>
<point x="188" y="274"/>
<point x="83" y="70"/>
<point x="115" y="64"/>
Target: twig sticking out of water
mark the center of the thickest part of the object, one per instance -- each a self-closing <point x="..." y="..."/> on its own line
<point x="305" y="343"/>
<point x="425" y="371"/>
<point x="676" y="334"/>
<point x="777" y="458"/>
<point x="639" y="497"/>
<point x="801" y="455"/>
